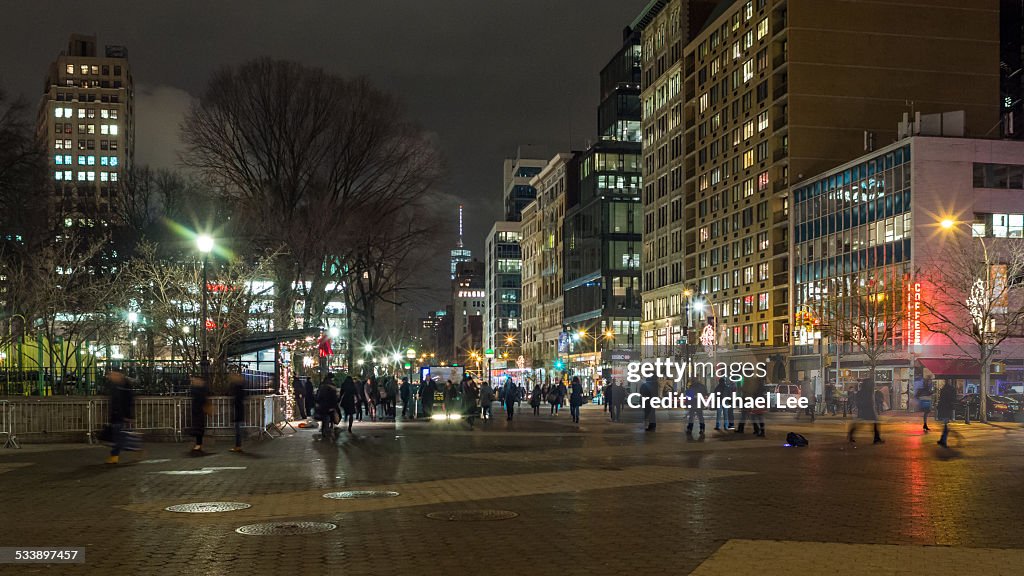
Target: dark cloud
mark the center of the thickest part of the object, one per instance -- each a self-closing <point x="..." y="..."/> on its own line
<point x="484" y="75"/>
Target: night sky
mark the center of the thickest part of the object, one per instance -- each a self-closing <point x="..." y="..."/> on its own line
<point x="483" y="75"/>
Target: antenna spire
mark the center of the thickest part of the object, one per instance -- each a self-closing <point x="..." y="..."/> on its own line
<point x="460" y="225"/>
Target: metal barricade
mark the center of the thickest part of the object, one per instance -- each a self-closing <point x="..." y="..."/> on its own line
<point x="221" y="414"/>
<point x="52" y="417"/>
<point x="7" y="424"/>
<point x="160" y="413"/>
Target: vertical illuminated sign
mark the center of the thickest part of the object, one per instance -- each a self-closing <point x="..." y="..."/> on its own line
<point x="912" y="333"/>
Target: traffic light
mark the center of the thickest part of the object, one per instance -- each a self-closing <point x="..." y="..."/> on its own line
<point x="559" y="365"/>
<point x="455" y="365"/>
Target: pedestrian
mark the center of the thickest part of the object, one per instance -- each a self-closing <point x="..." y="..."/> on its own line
<point x="449" y="399"/>
<point x="830" y="398"/>
<point x="721" y="414"/>
<point x="807" y="391"/>
<point x="470" y="397"/>
<point x="486" y="399"/>
<point x="866" y="410"/>
<point x="757" y="414"/>
<point x="560" y="393"/>
<point x="327" y="407"/>
<point x="879" y="401"/>
<point x="308" y="396"/>
<point x="200" y="408"/>
<point x="427" y="390"/>
<point x="693" y="394"/>
<point x="349" y="393"/>
<point x="535" y="398"/>
<point x="606" y="396"/>
<point x="744" y="389"/>
<point x="372" y="395"/>
<point x="237" y="386"/>
<point x="405" y="392"/>
<point x="944" y="410"/>
<point x="618" y="401"/>
<point x="649" y="389"/>
<point x="384" y="401"/>
<point x="122" y="412"/>
<point x="575" y="399"/>
<point x="924" y="400"/>
<point x="511" y="398"/>
<point x="299" y="391"/>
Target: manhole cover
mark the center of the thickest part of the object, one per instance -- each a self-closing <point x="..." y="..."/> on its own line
<point x="285" y="528"/>
<point x="357" y="494"/>
<point x="183" y="472"/>
<point x="203" y="507"/>
<point x="472" y="515"/>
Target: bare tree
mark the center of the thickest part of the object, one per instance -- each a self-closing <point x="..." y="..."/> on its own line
<point x="868" y="312"/>
<point x="977" y="301"/>
<point x="302" y="155"/>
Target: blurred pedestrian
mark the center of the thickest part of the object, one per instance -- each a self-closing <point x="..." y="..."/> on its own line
<point x="298" y="389"/>
<point x="327" y="407"/>
<point x="450" y="396"/>
<point x="649" y="389"/>
<point x="348" y="403"/>
<point x="511" y="398"/>
<point x="575" y="399"/>
<point x="693" y="394"/>
<point x="486" y="400"/>
<point x="470" y="397"/>
<point x="308" y="396"/>
<point x="372" y="395"/>
<point x="830" y="398"/>
<point x="122" y="412"/>
<point x="618" y="401"/>
<point x="866" y="410"/>
<point x="405" y="392"/>
<point x="924" y="400"/>
<point x="744" y="389"/>
<point x="722" y="389"/>
<point x="944" y="410"/>
<point x="200" y="408"/>
<point x="757" y="414"/>
<point x="807" y="392"/>
<point x="237" y="386"/>
<point x="535" y="399"/>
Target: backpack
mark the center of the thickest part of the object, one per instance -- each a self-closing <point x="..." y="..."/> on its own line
<point x="794" y="439"/>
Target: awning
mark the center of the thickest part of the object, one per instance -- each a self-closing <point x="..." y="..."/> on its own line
<point x="265" y="340"/>
<point x="952" y="367"/>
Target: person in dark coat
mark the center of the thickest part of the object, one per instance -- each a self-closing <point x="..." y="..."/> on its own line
<point x="924" y="400"/>
<point x="405" y="392"/>
<point x="575" y="399"/>
<point x="722" y="390"/>
<point x="326" y="406"/>
<point x="238" y="407"/>
<point x="427" y="389"/>
<point x="200" y="401"/>
<point x="299" y="390"/>
<point x="866" y="411"/>
<point x="535" y="398"/>
<point x="757" y="414"/>
<point x="349" y="392"/>
<point x="649" y="389"/>
<point x="695" y="389"/>
<point x="944" y="409"/>
<point x="308" y="396"/>
<point x="559" y="391"/>
<point x="471" y="400"/>
<point x="511" y="397"/>
<point x="122" y="412"/>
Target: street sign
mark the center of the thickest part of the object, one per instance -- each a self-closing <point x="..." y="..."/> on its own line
<point x="489" y="353"/>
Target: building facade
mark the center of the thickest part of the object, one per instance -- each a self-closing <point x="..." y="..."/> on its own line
<point x="876" y="224"/>
<point x="604" y="218"/>
<point x="468" y="304"/>
<point x="503" y="286"/>
<point x="87" y="121"/>
<point x="517" y="191"/>
<point x="763" y="93"/>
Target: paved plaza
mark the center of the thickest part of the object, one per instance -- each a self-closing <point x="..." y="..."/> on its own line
<point x="598" y="498"/>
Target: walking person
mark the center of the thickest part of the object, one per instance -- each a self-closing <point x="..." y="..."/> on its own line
<point x="693" y="393"/>
<point x="372" y="397"/>
<point x="470" y="398"/>
<point x="924" y="400"/>
<point x="721" y="414"/>
<point x="200" y="407"/>
<point x="744" y="389"/>
<point x="830" y="398"/>
<point x="618" y="401"/>
<point x="757" y="414"/>
<point x="308" y="397"/>
<point x="511" y="399"/>
<point x="535" y="399"/>
<point x="449" y="399"/>
<point x="866" y="411"/>
<point x="384" y="402"/>
<point x="122" y="412"/>
<point x="575" y="399"/>
<point x="807" y="391"/>
<point x="237" y="383"/>
<point x="560" y="393"/>
<point x="349" y="392"/>
<point x="405" y="392"/>
<point x="649" y="389"/>
<point x="944" y="410"/>
<point x="486" y="400"/>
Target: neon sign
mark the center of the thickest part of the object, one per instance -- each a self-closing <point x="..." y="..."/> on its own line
<point x="912" y="333"/>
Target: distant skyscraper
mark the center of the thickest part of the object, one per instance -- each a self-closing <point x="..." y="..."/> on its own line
<point x="459" y="253"/>
<point x="87" y="121"/>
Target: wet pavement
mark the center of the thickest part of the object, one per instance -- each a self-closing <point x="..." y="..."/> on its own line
<point x="539" y="496"/>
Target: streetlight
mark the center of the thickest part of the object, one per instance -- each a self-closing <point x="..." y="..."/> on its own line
<point x="205" y="244"/>
<point x="597" y="337"/>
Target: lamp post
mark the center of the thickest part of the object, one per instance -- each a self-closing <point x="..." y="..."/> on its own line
<point x="596" y="337"/>
<point x="205" y="245"/>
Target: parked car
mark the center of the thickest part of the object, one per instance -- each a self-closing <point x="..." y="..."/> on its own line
<point x="785" y="392"/>
<point x="999" y="408"/>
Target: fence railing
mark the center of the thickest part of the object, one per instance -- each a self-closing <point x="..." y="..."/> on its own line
<point x="64" y="418"/>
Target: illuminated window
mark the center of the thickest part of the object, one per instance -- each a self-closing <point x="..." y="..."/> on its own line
<point x="762" y="28"/>
<point x="84" y="68"/>
<point x="762" y="271"/>
<point x="762" y="181"/>
<point x="762" y="121"/>
<point x="762" y="241"/>
<point x="762" y="331"/>
<point x="762" y="301"/>
<point x="58" y="175"/>
<point x="748" y="274"/>
<point x="70" y="69"/>
<point x="748" y="158"/>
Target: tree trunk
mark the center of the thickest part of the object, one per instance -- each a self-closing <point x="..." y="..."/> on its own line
<point x="986" y="367"/>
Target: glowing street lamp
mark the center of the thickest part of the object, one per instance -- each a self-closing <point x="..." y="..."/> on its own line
<point x="205" y="245"/>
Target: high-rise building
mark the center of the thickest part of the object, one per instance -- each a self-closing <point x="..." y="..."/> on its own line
<point x="759" y="95"/>
<point x="460" y="253"/>
<point x="542" y="250"/>
<point x="1011" y="67"/>
<point x="468" y="301"/>
<point x="87" y="121"/>
<point x="503" y="287"/>
<point x="603" y="220"/>
<point x="517" y="191"/>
